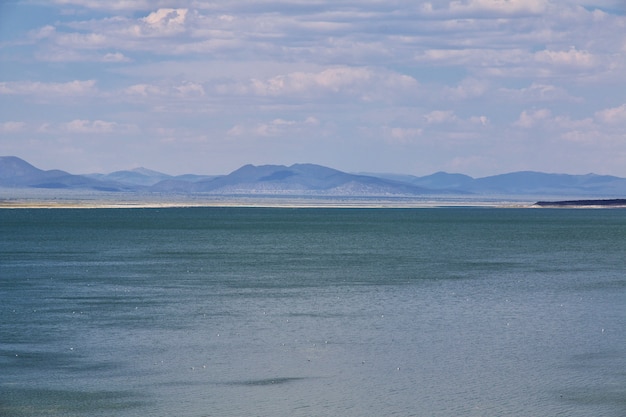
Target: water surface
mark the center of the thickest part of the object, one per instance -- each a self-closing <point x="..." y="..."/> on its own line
<point x="312" y="312"/>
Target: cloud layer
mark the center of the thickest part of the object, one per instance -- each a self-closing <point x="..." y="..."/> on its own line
<point x="479" y="86"/>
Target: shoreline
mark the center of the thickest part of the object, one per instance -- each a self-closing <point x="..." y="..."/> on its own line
<point x="35" y="199"/>
<point x="29" y="198"/>
<point x="256" y="203"/>
<point x="87" y="206"/>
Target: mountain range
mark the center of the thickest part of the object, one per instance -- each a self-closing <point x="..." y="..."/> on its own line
<point x="313" y="180"/>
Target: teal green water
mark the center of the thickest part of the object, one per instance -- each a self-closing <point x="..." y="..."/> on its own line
<point x="312" y="312"/>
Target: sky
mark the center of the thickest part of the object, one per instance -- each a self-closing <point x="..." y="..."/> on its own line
<point x="479" y="87"/>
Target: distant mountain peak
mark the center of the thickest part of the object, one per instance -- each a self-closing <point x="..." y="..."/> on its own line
<point x="149" y="172"/>
<point x="15" y="173"/>
<point x="12" y="166"/>
<point x="312" y="179"/>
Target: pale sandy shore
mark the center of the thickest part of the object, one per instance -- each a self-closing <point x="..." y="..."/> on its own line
<point x="73" y="199"/>
<point x="280" y="203"/>
<point x="283" y="203"/>
<point x="269" y="203"/>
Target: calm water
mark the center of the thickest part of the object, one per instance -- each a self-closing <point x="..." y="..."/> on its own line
<point x="312" y="312"/>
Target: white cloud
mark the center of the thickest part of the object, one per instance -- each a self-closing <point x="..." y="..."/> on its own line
<point x="163" y="22"/>
<point x="276" y="127"/>
<point x="479" y="120"/>
<point x="447" y="128"/>
<point x="56" y="54"/>
<point x="83" y="127"/>
<point x="93" y="126"/>
<point x="12" y="127"/>
<point x="530" y="118"/>
<point x="468" y="88"/>
<point x="403" y="135"/>
<point x="479" y="35"/>
<point x="42" y="33"/>
<point x="499" y="7"/>
<point x="83" y="40"/>
<point x="87" y="126"/>
<point x="114" y="57"/>
<point x="332" y="80"/>
<point x="110" y="4"/>
<point x="144" y="90"/>
<point x="586" y="136"/>
<point x="612" y="116"/>
<point x="440" y="116"/>
<point x="539" y="92"/>
<point x="190" y="89"/>
<point x="563" y="127"/>
<point x="166" y="17"/>
<point x="364" y="83"/>
<point x="185" y="89"/>
<point x="71" y="88"/>
<point x="570" y="58"/>
<point x="473" y="57"/>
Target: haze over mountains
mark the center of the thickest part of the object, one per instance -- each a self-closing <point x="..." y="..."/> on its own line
<point x="310" y="179"/>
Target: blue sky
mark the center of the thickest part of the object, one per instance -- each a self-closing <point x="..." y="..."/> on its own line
<point x="480" y="87"/>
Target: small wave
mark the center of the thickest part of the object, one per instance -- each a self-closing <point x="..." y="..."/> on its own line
<point x="266" y="381"/>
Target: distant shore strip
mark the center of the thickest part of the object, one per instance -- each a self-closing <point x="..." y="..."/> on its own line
<point x="305" y="203"/>
<point x="260" y="203"/>
<point x="608" y="203"/>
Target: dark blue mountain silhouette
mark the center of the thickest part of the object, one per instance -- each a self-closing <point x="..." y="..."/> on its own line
<point x="311" y="179"/>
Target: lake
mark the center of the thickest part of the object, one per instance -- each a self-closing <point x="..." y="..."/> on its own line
<point x="312" y="312"/>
